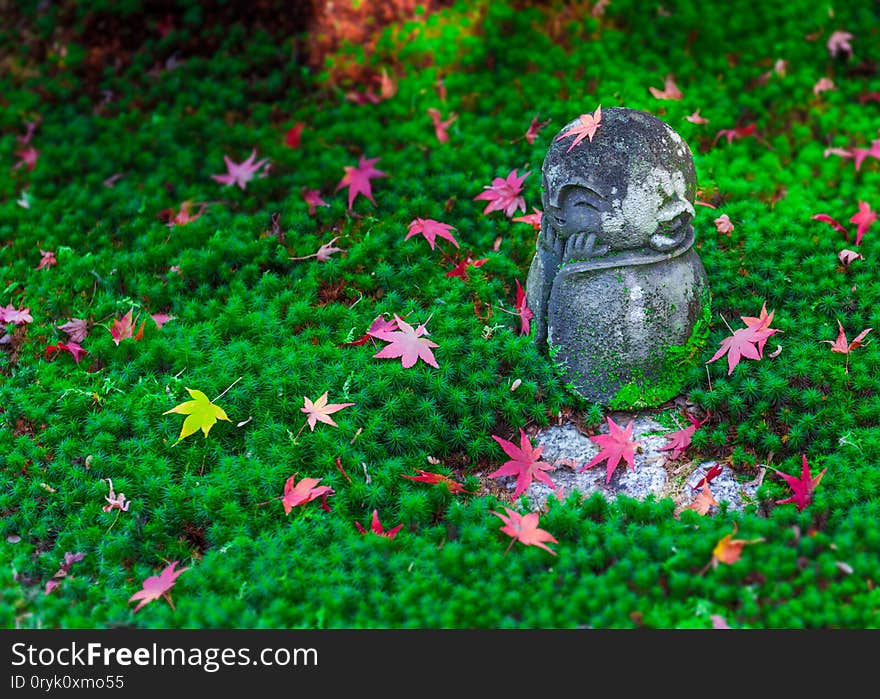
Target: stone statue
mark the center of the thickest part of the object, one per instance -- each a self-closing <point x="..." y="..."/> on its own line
<point x="619" y="294"/>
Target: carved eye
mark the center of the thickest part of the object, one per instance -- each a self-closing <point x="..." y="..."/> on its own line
<point x="585" y="204"/>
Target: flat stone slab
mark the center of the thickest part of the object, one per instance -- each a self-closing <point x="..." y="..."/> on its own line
<point x="654" y="473"/>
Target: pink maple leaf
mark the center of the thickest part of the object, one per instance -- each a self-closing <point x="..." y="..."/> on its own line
<point x="30" y="128"/>
<point x="377" y="528"/>
<point x="63" y="570"/>
<point x="838" y="43"/>
<point x="357" y="179"/>
<point x="587" y="126"/>
<point x="441" y="126"/>
<point x="842" y="346"/>
<point x="431" y="229"/>
<point x="524" y="463"/>
<point x="27" y="158"/>
<point x="47" y="259"/>
<point x="321" y="410"/>
<point x="304" y="491"/>
<point x="823" y="85"/>
<point x="161" y="318"/>
<point x="185" y="216"/>
<point x="76" y="329"/>
<point x="864" y="218"/>
<point x="801" y="488"/>
<point x="523" y="311"/>
<point x="504" y="194"/>
<point x="532" y="132"/>
<point x="670" y="90"/>
<point x="292" y="138"/>
<point x="723" y="224"/>
<point x="75" y="350"/>
<point x="524" y="528"/>
<point x="533" y="219"/>
<point x="324" y="252"/>
<point x="113" y="179"/>
<point x="847" y="257"/>
<point x="312" y="197"/>
<point x="244" y="172"/>
<point x="157" y="586"/>
<point x="825" y="218"/>
<point x="376" y="329"/>
<point x="460" y="269"/>
<point x="123" y="328"/>
<point x="679" y="441"/>
<point x="859" y="154"/>
<point x="841" y="152"/>
<point x="114" y="501"/>
<point x="407" y="343"/>
<point x="695" y="118"/>
<point x="16" y="316"/>
<point x="746" y="342"/>
<point x="616" y="445"/>
<point x="738" y="132"/>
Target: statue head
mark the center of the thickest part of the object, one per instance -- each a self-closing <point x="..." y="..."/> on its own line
<point x="633" y="185"/>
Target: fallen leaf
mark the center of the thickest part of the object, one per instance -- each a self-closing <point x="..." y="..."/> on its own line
<point x="723" y="224"/>
<point x="504" y="194"/>
<point x="357" y="179"/>
<point x="534" y="219"/>
<point x="864" y="218"/>
<point x="407" y="343"/>
<point x="27" y="157"/>
<point x="825" y="218"/>
<point x="616" y="445"/>
<point x="123" y="328"/>
<point x="823" y="85"/>
<point x="670" y="90"/>
<point x="242" y="173"/>
<point x="157" y="586"/>
<point x="16" y="316"/>
<point x="847" y="257"/>
<point x="114" y="501"/>
<point x="532" y="132"/>
<point x="838" y="43"/>
<point x="436" y="479"/>
<point x="524" y="463"/>
<point x="460" y="269"/>
<point x="680" y="440"/>
<point x="312" y="197"/>
<point x="377" y="528"/>
<point x="63" y="570"/>
<point x="320" y="410"/>
<point x="293" y="135"/>
<point x="202" y="414"/>
<point x="843" y="347"/>
<point x="524" y="528"/>
<point x="728" y="550"/>
<point x="801" y="488"/>
<point x="430" y="230"/>
<point x="304" y="491"/>
<point x="75" y="350"/>
<point x="523" y="311"/>
<point x="589" y="124"/>
<point x="441" y="126"/>
<point x="703" y="502"/>
<point x="47" y="259"/>
<point x="746" y="342"/>
<point x="695" y="118"/>
<point x="738" y="132"/>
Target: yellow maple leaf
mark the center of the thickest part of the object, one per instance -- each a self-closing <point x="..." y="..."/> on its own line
<point x="201" y="412"/>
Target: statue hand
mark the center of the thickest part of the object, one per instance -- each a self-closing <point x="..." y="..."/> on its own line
<point x="583" y="246"/>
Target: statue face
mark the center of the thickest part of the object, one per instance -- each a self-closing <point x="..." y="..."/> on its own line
<point x="580" y="211"/>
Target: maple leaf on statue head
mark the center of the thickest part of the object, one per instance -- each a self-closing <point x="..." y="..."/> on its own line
<point x="587" y="127"/>
<point x="524" y="463"/>
<point x="504" y="194"/>
<point x="407" y="343"/>
<point x="157" y="586"/>
<point x="242" y="173"/>
<point x="321" y="410"/>
<point x="357" y="179"/>
<point x="524" y="528"/>
<point x="616" y="445"/>
<point x="431" y="229"/>
<point x="801" y="488"/>
<point x="202" y="414"/>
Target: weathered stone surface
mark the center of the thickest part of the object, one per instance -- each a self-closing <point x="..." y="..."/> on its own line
<point x="654" y="474"/>
<point x="615" y="283"/>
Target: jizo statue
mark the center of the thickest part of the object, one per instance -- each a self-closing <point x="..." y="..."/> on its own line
<point x="619" y="293"/>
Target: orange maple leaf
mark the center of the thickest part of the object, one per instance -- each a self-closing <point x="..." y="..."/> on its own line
<point x="728" y="550"/>
<point x="703" y="502"/>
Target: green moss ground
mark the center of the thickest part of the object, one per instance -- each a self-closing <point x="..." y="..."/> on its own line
<point x="242" y="309"/>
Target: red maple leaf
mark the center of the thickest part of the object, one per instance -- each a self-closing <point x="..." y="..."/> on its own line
<point x="523" y="311"/>
<point x="670" y="90"/>
<point x="321" y="410"/>
<point x="184" y="216"/>
<point x="123" y="328"/>
<point x="377" y="528"/>
<point x="72" y="347"/>
<point x="242" y="173"/>
<point x="407" y="343"/>
<point x="157" y="586"/>
<point x="357" y="179"/>
<point x="746" y="342"/>
<point x="534" y="220"/>
<point x="47" y="259"/>
<point x="312" y="197"/>
<point x="27" y="157"/>
<point x="525" y="463"/>
<point x="864" y="218"/>
<point x="616" y="445"/>
<point x="504" y="194"/>
<point x="379" y="325"/>
<point x="825" y="218"/>
<point x="801" y="488"/>
<point x="294" y="134"/>
<point x="589" y="124"/>
<point x="843" y="347"/>
<point x="711" y="475"/>
<point x="304" y="491"/>
<point x="680" y="440"/>
<point x="738" y="132"/>
<point x="440" y="126"/>
<point x="534" y="128"/>
<point x="437" y="478"/>
<point x="460" y="269"/>
<point x="524" y="528"/>
<point x="431" y="229"/>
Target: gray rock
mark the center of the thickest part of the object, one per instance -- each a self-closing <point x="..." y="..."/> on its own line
<point x="616" y="286"/>
<point x="654" y="473"/>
